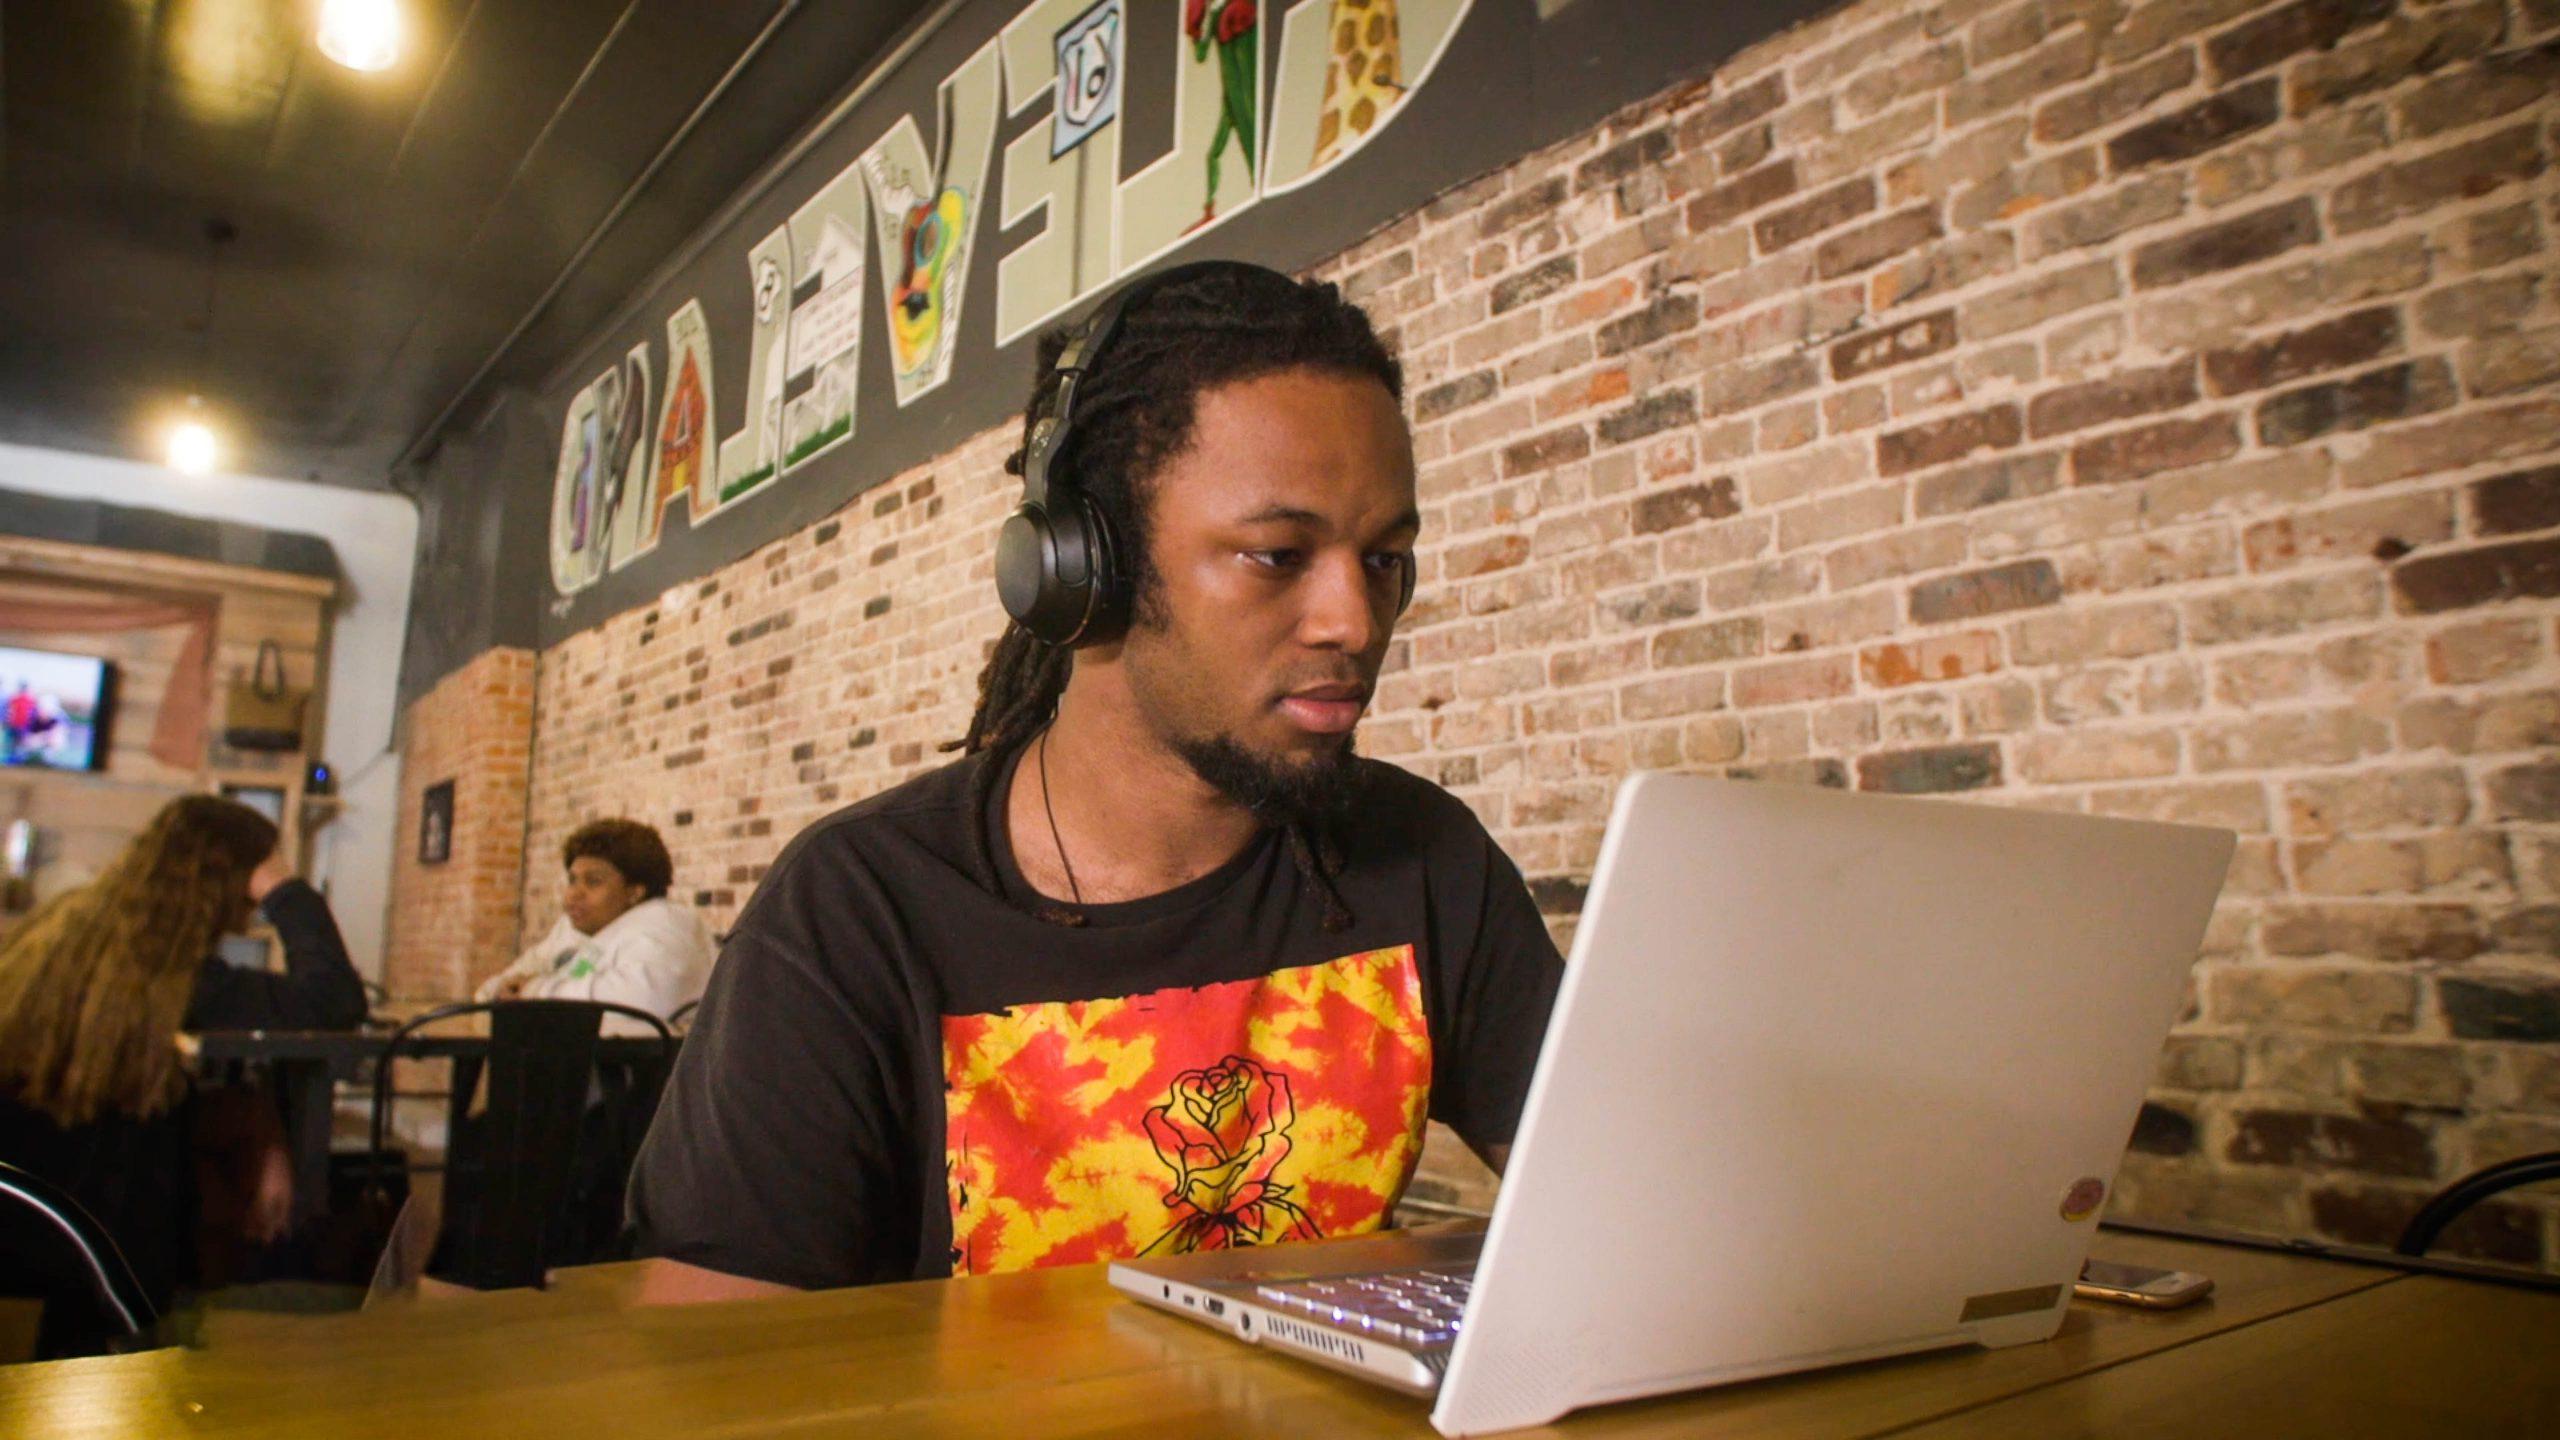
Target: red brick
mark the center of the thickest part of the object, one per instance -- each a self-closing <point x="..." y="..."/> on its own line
<point x="2411" y="44"/>
<point x="2497" y="85"/>
<point x="2032" y="302"/>
<point x="1742" y="195"/>
<point x="2330" y="345"/>
<point x="2471" y="436"/>
<point x="1814" y="214"/>
<point x="2460" y="172"/>
<point x="2118" y="397"/>
<point x="2511" y="504"/>
<point x="2378" y="1146"/>
<point x="1534" y="284"/>
<point x="1939" y="658"/>
<point x="2226" y="245"/>
<point x="2113" y="97"/>
<point x="1876" y="242"/>
<point x="2064" y="60"/>
<point x="2504" y="364"/>
<point x="1685" y="505"/>
<point x="2481" y="575"/>
<point x="1664" y="410"/>
<point x="1666" y="316"/>
<point x="2278" y="35"/>
<point x="2395" y="392"/>
<point x="1631" y="156"/>
<point x="1952" y="438"/>
<point x="1936" y="770"/>
<point x="1732" y="110"/>
<point x="1917" y="338"/>
<point x="1793" y="682"/>
<point x="1708" y="644"/>
<point x="1990" y="482"/>
<point x="2198" y="128"/>
<point x="2151" y="449"/>
<point x="1545" y="452"/>
<point x="2023" y="584"/>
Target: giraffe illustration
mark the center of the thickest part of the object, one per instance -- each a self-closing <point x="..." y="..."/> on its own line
<point x="1364" y="75"/>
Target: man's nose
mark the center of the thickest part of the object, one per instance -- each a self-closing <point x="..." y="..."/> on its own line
<point x="1342" y="605"/>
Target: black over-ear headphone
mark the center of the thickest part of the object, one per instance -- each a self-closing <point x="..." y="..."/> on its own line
<point x="1058" y="568"/>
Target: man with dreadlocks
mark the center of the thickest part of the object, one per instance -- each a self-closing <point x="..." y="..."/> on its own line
<point x="1158" y="964"/>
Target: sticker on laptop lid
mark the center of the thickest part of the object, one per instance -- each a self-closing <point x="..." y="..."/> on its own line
<point x="2083" y="1198"/>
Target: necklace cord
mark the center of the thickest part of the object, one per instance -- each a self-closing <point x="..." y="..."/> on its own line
<point x="1051" y="811"/>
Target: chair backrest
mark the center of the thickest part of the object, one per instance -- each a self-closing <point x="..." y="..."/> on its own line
<point x="56" y="1238"/>
<point x="681" y="1018"/>
<point x="2448" y="1204"/>
<point x="541" y="1060"/>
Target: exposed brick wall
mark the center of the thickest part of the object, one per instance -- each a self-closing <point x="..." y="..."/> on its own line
<point x="2146" y="409"/>
<point x="454" y="922"/>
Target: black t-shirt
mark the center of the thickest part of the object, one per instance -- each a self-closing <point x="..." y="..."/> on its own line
<point x="900" y="1071"/>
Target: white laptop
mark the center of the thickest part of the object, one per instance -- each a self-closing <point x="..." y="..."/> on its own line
<point x="1831" y="1077"/>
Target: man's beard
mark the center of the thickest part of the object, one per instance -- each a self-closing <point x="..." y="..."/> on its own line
<point x="1314" y="794"/>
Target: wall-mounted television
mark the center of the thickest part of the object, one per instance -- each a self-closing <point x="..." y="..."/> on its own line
<point x="53" y="709"/>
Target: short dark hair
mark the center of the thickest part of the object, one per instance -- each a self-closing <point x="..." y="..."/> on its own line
<point x="628" y="846"/>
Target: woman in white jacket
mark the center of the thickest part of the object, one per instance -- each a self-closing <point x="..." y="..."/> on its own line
<point x="619" y="938"/>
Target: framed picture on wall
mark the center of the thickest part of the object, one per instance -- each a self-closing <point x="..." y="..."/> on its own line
<point x="435" y="824"/>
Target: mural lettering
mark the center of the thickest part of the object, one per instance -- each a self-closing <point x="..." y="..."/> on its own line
<point x="925" y="211"/>
<point x="1342" y="71"/>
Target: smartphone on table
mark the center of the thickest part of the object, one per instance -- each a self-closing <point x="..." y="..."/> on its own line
<point x="2140" y="1285"/>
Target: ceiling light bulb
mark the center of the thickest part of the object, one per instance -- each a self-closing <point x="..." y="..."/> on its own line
<point x="192" y="448"/>
<point x="360" y="34"/>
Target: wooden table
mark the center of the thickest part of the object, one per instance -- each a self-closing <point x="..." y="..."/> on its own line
<point x="2288" y="1346"/>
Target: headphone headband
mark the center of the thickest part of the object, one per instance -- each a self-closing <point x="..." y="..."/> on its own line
<point x="1055" y="427"/>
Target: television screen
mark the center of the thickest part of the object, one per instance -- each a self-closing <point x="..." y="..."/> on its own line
<point x="53" y="709"/>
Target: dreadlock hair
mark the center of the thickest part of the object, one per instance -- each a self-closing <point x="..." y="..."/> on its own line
<point x="93" y="986"/>
<point x="1135" y="409"/>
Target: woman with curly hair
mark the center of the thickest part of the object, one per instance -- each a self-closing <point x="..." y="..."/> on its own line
<point x="94" y="988"/>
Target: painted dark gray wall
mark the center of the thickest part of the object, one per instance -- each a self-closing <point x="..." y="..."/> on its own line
<point x="480" y="578"/>
<point x="1511" y="81"/>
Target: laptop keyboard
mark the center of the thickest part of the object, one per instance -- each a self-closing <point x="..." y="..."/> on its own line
<point x="1415" y="1307"/>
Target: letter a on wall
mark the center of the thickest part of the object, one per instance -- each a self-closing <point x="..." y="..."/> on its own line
<point x="684" y="423"/>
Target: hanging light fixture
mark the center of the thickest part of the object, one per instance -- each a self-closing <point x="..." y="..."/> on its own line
<point x="193" y="447"/>
<point x="360" y="34"/>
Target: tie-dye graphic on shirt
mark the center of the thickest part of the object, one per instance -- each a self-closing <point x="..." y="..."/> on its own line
<point x="1284" y="1107"/>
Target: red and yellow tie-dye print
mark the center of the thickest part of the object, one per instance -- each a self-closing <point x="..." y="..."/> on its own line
<point x="1284" y="1107"/>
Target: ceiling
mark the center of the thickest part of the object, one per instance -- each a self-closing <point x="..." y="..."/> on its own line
<point x="393" y="231"/>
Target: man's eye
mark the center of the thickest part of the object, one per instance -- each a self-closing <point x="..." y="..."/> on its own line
<point x="1387" y="562"/>
<point x="1277" y="559"/>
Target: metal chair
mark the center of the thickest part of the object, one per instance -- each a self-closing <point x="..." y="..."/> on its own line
<point x="2448" y="1204"/>
<point x="541" y="1059"/>
<point x="681" y="1019"/>
<point x="53" y="1236"/>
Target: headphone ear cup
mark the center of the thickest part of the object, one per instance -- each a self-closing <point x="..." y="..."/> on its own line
<point x="1025" y="571"/>
<point x="1106" y="589"/>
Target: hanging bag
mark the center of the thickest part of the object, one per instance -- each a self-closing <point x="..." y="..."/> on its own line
<point x="266" y="713"/>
